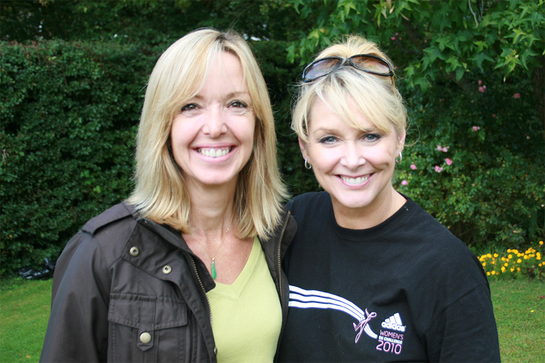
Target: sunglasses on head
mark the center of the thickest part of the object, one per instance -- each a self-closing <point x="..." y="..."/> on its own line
<point x="364" y="62"/>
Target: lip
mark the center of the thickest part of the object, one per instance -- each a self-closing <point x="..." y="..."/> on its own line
<point x="355" y="181"/>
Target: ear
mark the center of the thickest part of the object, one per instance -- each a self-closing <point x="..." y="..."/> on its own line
<point x="303" y="147"/>
<point x="401" y="141"/>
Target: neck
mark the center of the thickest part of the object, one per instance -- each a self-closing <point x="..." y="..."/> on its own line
<point x="212" y="209"/>
<point x="382" y="208"/>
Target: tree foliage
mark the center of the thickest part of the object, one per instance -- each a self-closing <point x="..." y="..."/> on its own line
<point x="451" y="37"/>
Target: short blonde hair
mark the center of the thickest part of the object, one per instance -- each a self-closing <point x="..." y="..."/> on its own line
<point x="375" y="97"/>
<point x="160" y="193"/>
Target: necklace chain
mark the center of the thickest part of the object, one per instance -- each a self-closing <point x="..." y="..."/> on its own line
<point x="213" y="258"/>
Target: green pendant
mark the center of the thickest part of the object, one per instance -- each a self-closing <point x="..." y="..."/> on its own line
<point x="214" y="274"/>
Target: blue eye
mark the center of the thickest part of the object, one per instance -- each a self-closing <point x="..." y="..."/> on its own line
<point x="371" y="137"/>
<point x="328" y="140"/>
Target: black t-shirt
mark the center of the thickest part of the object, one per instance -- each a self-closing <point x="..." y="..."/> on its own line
<point x="405" y="290"/>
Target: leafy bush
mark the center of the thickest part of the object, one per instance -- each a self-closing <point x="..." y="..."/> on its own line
<point x="476" y="161"/>
<point x="69" y="113"/>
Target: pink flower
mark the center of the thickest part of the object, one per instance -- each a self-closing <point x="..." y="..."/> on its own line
<point x="476" y="128"/>
<point x="443" y="149"/>
<point x="516" y="95"/>
<point x="482" y="89"/>
<point x="438" y="168"/>
<point x="393" y="38"/>
<point x="404" y="182"/>
<point x="448" y="161"/>
<point x="480" y="82"/>
<point x="413" y="166"/>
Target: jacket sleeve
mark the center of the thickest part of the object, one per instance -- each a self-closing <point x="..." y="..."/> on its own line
<point x="78" y="324"/>
<point x="465" y="331"/>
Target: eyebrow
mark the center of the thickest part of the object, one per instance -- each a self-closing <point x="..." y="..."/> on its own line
<point x="334" y="131"/>
<point x="229" y="95"/>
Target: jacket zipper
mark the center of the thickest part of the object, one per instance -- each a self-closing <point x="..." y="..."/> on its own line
<point x="205" y="296"/>
<point x="280" y="257"/>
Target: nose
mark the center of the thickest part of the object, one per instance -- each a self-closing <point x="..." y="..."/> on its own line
<point x="352" y="157"/>
<point x="214" y="122"/>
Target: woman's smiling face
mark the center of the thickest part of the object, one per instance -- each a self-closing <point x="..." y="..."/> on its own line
<point x="354" y="165"/>
<point x="212" y="135"/>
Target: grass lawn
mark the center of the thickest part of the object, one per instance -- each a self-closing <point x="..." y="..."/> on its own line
<point x="24" y="311"/>
<point x="519" y="306"/>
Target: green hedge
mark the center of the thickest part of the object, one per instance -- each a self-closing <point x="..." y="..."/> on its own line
<point x="69" y="113"/>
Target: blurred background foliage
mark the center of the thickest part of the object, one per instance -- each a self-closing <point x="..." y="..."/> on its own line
<point x="73" y="77"/>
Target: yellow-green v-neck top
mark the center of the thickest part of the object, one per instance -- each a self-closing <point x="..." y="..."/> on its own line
<point x="246" y="315"/>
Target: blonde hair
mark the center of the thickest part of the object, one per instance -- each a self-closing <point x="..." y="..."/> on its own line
<point x="160" y="193"/>
<point x="375" y="97"/>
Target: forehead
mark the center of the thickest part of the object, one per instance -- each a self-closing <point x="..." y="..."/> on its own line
<point x="328" y="111"/>
<point x="225" y="70"/>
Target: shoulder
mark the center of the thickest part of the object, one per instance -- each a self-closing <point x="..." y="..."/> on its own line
<point x="436" y="250"/>
<point x="421" y="225"/>
<point x="308" y="201"/>
<point x="105" y="234"/>
<point x="113" y="215"/>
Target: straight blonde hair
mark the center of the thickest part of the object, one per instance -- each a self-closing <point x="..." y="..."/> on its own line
<point x="160" y="193"/>
<point x="375" y="97"/>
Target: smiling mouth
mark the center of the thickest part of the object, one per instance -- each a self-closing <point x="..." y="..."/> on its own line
<point x="215" y="152"/>
<point x="354" y="181"/>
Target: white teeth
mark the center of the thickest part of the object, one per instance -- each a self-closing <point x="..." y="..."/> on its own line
<point x="214" y="153"/>
<point x="355" y="181"/>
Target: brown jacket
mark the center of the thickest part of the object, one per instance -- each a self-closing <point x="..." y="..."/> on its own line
<point x="127" y="289"/>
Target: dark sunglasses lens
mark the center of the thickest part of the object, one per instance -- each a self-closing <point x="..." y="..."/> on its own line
<point x="371" y="64"/>
<point x="320" y="68"/>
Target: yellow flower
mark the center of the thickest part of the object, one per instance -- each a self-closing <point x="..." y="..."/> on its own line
<point x="538" y="256"/>
<point x="519" y="260"/>
<point x="518" y="269"/>
<point x="493" y="272"/>
<point x="484" y="264"/>
<point x="510" y="256"/>
<point x="506" y="264"/>
<point x="496" y="255"/>
<point x="512" y="269"/>
<point x="488" y="274"/>
<point x="541" y="243"/>
<point x="502" y="269"/>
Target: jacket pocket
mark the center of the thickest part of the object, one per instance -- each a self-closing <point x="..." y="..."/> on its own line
<point x="146" y="328"/>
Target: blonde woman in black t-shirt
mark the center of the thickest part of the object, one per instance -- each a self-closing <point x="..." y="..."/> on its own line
<point x="373" y="277"/>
